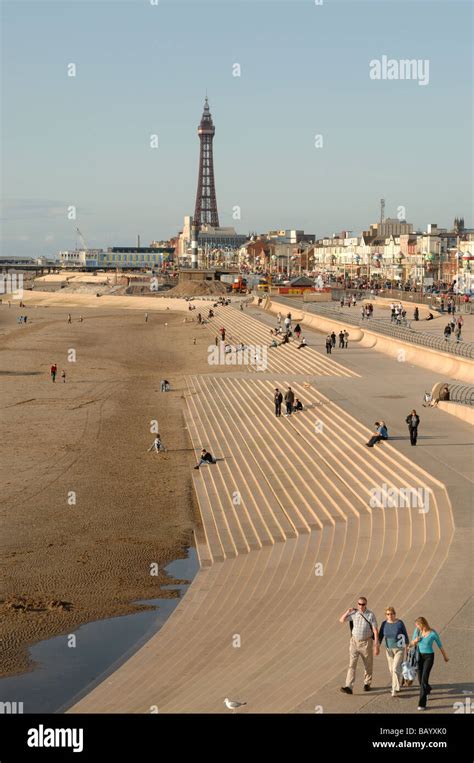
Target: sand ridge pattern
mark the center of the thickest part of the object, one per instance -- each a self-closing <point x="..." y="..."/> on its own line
<point x="64" y="565"/>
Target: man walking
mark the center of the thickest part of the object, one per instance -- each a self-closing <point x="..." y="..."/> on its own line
<point x="341" y="339"/>
<point x="328" y="344"/>
<point x="346" y="339"/>
<point x="413" y="421"/>
<point x="364" y="642"/>
<point x="289" y="400"/>
<point x="53" y="371"/>
<point x="278" y="399"/>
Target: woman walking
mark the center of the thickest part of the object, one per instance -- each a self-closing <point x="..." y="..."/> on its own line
<point x="424" y="637"/>
<point x="396" y="644"/>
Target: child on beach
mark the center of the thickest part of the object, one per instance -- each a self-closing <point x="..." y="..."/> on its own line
<point x="157" y="445"/>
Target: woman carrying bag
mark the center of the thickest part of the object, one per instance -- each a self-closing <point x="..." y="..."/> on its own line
<point x="424" y="637"/>
<point x="396" y="643"/>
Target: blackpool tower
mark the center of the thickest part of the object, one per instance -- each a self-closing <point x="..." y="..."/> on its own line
<point x="205" y="212"/>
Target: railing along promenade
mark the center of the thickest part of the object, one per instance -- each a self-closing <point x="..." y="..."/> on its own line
<point x="403" y="333"/>
<point x="461" y="393"/>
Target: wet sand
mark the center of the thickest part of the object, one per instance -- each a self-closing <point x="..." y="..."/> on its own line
<point x="85" y="510"/>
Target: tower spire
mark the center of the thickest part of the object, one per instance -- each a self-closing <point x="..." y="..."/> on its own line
<point x="205" y="212"/>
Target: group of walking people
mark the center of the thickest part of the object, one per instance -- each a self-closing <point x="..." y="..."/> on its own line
<point x="398" y="313"/>
<point x="348" y="301"/>
<point x="367" y="311"/>
<point x="454" y="327"/>
<point x="404" y="657"/>
<point x="450" y="306"/>
<point x="331" y="341"/>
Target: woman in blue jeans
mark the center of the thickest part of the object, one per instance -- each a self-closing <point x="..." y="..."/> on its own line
<point x="425" y="637"/>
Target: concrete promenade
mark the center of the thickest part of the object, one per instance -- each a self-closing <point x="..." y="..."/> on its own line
<point x="290" y="537"/>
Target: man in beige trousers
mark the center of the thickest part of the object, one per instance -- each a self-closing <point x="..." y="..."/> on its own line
<point x="364" y="627"/>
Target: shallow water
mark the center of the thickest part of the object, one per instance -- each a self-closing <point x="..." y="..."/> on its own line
<point x="64" y="673"/>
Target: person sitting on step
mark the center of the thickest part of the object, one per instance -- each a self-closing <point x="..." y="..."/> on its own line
<point x="376" y="436"/>
<point x="205" y="458"/>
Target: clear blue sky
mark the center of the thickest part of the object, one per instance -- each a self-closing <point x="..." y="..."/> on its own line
<point x="144" y="69"/>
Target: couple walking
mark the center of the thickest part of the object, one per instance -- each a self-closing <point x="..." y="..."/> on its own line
<point x="364" y="630"/>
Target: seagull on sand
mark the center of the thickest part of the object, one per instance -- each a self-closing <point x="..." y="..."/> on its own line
<point x="232" y="704"/>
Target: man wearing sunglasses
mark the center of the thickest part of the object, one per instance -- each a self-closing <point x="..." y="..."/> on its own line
<point x="363" y="629"/>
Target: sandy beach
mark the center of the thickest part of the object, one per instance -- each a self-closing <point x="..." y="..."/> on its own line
<point x="85" y="510"/>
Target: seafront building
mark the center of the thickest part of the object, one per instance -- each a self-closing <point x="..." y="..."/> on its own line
<point x="386" y="251"/>
<point x="128" y="257"/>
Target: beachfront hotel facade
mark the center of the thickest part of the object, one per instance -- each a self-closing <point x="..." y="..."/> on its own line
<point x="390" y="250"/>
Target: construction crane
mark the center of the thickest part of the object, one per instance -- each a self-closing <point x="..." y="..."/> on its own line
<point x="81" y="239"/>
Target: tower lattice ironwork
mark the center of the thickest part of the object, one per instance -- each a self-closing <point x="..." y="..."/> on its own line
<point x="205" y="212"/>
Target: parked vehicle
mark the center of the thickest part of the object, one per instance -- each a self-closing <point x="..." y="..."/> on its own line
<point x="239" y="285"/>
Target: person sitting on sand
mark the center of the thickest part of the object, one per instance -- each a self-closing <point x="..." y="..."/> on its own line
<point x="430" y="317"/>
<point x="285" y="339"/>
<point x="205" y="458"/>
<point x="298" y="406"/>
<point x="274" y="343"/>
<point x="303" y="343"/>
